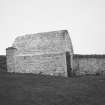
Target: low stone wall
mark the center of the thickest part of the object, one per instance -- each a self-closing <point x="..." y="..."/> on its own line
<point x="3" y="66"/>
<point x="89" y="64"/>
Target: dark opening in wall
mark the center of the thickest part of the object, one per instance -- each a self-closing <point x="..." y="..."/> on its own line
<point x="68" y="62"/>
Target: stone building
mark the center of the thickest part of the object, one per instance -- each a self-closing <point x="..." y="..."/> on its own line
<point x="49" y="53"/>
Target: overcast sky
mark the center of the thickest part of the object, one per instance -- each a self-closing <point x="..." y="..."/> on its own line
<point x="84" y="19"/>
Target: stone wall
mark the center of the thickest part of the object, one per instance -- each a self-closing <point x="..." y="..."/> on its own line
<point x="52" y="64"/>
<point x="3" y="66"/>
<point x="89" y="64"/>
<point x="41" y="43"/>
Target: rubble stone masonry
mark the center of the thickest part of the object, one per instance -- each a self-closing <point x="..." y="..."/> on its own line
<point x="41" y="53"/>
<point x="89" y="64"/>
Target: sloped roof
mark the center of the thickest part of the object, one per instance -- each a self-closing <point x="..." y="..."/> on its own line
<point x="46" y="42"/>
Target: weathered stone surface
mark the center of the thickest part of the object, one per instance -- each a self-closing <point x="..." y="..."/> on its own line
<point x="89" y="65"/>
<point x="53" y="64"/>
<point x="43" y="53"/>
<point x="51" y="53"/>
<point x="41" y="43"/>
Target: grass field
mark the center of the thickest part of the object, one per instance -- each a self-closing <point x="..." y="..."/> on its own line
<point x="29" y="89"/>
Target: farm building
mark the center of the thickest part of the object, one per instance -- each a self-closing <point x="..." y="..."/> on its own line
<point x="48" y="53"/>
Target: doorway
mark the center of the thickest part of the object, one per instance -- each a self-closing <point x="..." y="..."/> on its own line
<point x="68" y="62"/>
